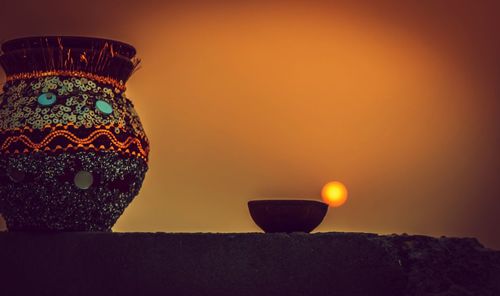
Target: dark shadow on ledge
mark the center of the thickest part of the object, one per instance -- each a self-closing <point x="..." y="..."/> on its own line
<point x="244" y="264"/>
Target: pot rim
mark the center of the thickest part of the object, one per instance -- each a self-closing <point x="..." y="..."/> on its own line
<point x="31" y="42"/>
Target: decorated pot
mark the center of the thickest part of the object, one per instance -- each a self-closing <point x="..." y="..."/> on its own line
<point x="73" y="153"/>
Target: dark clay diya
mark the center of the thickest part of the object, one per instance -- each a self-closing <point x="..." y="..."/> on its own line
<point x="287" y="215"/>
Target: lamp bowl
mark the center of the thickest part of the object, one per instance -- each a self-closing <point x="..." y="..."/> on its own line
<point x="278" y="215"/>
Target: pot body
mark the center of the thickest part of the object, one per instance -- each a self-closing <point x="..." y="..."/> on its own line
<point x="73" y="153"/>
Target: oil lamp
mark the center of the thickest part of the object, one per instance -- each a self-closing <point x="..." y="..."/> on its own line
<point x="296" y="215"/>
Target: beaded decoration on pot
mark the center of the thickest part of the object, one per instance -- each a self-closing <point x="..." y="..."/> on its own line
<point x="73" y="153"/>
<point x="77" y="109"/>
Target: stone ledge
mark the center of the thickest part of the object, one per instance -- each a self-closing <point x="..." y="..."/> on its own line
<point x="244" y="264"/>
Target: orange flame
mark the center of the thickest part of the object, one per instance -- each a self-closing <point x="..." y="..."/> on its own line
<point x="334" y="194"/>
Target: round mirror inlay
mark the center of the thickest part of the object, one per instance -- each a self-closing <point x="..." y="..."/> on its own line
<point x="16" y="175"/>
<point x="47" y="99"/>
<point x="104" y="107"/>
<point x="83" y="180"/>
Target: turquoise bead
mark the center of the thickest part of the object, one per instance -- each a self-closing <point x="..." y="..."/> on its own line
<point x="47" y="99"/>
<point x="104" y="107"/>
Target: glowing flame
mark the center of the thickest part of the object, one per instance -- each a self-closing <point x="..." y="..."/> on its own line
<point x="334" y="194"/>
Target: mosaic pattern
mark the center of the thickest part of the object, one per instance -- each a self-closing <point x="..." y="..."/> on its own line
<point x="50" y="100"/>
<point x="73" y="154"/>
<point x="67" y="138"/>
<point x="41" y="191"/>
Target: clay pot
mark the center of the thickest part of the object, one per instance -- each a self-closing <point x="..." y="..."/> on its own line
<point x="73" y="153"/>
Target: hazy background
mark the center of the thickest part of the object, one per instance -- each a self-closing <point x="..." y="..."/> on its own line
<point x="399" y="100"/>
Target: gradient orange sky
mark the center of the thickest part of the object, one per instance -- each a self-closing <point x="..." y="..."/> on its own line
<point x="242" y="101"/>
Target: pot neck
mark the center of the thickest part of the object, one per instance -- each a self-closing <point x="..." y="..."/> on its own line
<point x="70" y="56"/>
